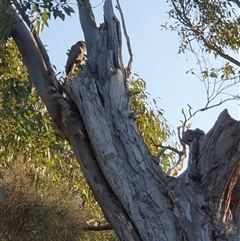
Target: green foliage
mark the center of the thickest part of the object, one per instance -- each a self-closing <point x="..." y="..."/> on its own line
<point x="24" y="121"/>
<point x="214" y="25"/>
<point x="210" y="29"/>
<point x="41" y="11"/>
<point x="224" y="72"/>
<point x="6" y="23"/>
<point x="27" y="133"/>
<point x="151" y="123"/>
<point x="36" y="14"/>
<point x="222" y="21"/>
<point x="216" y="21"/>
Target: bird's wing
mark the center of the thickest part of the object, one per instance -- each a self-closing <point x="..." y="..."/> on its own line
<point x="73" y="54"/>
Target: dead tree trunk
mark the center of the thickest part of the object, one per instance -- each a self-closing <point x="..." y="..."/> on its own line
<point x="138" y="199"/>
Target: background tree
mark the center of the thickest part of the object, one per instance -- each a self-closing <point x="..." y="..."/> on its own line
<point x="138" y="199"/>
<point x="209" y="27"/>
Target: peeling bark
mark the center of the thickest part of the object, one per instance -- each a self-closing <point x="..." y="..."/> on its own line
<point x="139" y="201"/>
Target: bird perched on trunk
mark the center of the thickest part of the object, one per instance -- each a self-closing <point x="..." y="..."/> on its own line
<point x="75" y="56"/>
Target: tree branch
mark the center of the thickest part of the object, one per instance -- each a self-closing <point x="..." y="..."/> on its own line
<point x="88" y="24"/>
<point x="97" y="225"/>
<point x="181" y="132"/>
<point x="97" y="228"/>
<point x="182" y="18"/>
<point x="182" y="155"/>
<point x="129" y="67"/>
<point x="215" y="48"/>
<point x="43" y="51"/>
<point x="43" y="80"/>
<point x="237" y="2"/>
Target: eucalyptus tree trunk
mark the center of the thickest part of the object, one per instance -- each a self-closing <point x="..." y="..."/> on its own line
<point x="138" y="199"/>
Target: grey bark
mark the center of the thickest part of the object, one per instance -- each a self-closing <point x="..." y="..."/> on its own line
<point x="138" y="199"/>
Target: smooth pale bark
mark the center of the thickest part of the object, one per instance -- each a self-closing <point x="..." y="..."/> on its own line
<point x="138" y="199"/>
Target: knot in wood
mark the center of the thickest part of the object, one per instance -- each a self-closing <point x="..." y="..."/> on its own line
<point x="190" y="135"/>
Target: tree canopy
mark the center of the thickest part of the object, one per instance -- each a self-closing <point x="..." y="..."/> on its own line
<point x="212" y="24"/>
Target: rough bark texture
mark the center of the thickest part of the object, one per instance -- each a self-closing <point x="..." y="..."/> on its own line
<point x="138" y="199"/>
<point x="205" y="189"/>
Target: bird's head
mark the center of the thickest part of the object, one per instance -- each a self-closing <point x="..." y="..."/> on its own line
<point x="81" y="44"/>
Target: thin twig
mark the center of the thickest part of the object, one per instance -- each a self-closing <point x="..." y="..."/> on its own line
<point x="129" y="66"/>
<point x="173" y="172"/>
<point x="169" y="148"/>
<point x="185" y="118"/>
<point x="160" y="153"/>
<point x="182" y="155"/>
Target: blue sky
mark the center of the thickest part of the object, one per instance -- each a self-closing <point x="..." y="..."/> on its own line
<point x="156" y="58"/>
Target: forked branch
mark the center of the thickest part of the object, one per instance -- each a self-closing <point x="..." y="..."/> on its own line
<point x="183" y="128"/>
